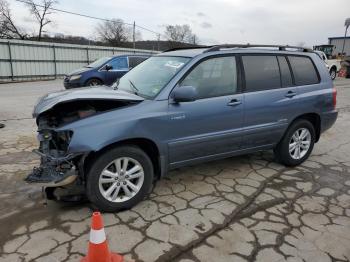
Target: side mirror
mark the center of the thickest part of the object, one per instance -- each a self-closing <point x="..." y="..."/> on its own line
<point x="108" y="67"/>
<point x="185" y="94"/>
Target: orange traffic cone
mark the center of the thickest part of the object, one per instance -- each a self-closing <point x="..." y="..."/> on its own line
<point x="98" y="247"/>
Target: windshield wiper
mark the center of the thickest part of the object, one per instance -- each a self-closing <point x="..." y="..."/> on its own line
<point x="134" y="87"/>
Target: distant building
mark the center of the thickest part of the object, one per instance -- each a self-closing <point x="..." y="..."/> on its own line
<point x="338" y="44"/>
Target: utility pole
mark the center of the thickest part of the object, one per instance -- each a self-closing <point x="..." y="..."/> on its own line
<point x="347" y="24"/>
<point x="158" y="41"/>
<point x="133" y="35"/>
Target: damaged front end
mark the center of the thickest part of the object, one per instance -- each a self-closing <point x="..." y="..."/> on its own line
<point x="56" y="167"/>
<point x="60" y="167"/>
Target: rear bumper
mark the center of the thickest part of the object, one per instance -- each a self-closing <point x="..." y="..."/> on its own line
<point x="328" y="119"/>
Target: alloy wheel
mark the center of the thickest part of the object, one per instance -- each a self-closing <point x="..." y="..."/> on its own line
<point x="299" y="143"/>
<point x="121" y="179"/>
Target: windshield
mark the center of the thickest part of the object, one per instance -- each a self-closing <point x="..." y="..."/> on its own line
<point x="99" y="62"/>
<point x="148" y="78"/>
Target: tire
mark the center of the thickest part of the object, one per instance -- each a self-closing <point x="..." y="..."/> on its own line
<point x="94" y="82"/>
<point x="97" y="192"/>
<point x="282" y="150"/>
<point x="333" y="73"/>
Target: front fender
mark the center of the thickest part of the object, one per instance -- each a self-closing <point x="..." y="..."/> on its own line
<point x="99" y="131"/>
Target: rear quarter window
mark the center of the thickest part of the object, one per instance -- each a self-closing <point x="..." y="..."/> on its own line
<point x="304" y="70"/>
<point x="286" y="77"/>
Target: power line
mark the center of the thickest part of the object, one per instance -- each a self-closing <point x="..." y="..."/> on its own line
<point x="89" y="16"/>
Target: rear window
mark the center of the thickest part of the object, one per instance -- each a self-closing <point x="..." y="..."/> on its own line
<point x="304" y="70"/>
<point x="261" y="73"/>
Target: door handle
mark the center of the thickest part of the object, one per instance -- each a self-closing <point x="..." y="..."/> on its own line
<point x="290" y="94"/>
<point x="234" y="102"/>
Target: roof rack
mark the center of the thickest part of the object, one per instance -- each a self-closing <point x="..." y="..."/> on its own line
<point x="188" y="47"/>
<point x="280" y="47"/>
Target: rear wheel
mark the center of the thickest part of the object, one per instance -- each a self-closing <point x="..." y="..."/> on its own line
<point x="297" y="143"/>
<point x="119" y="179"/>
<point x="94" y="82"/>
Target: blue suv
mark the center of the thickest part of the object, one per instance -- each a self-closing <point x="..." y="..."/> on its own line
<point x="104" y="71"/>
<point x="179" y="108"/>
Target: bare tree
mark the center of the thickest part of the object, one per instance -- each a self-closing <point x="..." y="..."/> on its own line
<point x="41" y="13"/>
<point x="180" y="33"/>
<point x="193" y="40"/>
<point x="113" y="32"/>
<point x="301" y="44"/>
<point x="8" y="28"/>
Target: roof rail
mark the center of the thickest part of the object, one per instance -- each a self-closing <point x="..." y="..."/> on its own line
<point x="280" y="47"/>
<point x="188" y="47"/>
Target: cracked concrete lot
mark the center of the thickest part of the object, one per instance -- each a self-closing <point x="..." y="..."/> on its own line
<point x="246" y="208"/>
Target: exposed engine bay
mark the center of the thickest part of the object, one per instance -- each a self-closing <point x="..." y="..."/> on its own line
<point x="58" y="167"/>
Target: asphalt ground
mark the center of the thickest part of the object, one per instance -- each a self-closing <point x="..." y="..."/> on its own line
<point x="245" y="208"/>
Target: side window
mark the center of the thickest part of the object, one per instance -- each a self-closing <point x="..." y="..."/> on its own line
<point x="213" y="77"/>
<point x="261" y="73"/>
<point x="135" y="60"/>
<point x="286" y="77"/>
<point x="303" y="70"/>
<point x="120" y="63"/>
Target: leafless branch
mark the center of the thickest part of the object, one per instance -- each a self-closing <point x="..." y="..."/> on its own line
<point x="8" y="29"/>
<point x="41" y="13"/>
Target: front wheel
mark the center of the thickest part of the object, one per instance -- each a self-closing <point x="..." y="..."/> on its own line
<point x="94" y="82"/>
<point x="119" y="179"/>
<point x="297" y="143"/>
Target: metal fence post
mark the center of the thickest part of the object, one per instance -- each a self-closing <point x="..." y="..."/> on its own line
<point x="54" y="60"/>
<point x="10" y="56"/>
<point x="87" y="56"/>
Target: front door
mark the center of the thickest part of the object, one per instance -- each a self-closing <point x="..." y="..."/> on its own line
<point x="210" y="126"/>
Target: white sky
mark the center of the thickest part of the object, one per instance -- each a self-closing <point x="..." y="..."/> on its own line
<point x="214" y="21"/>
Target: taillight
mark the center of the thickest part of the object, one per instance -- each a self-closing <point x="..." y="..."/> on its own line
<point x="334" y="97"/>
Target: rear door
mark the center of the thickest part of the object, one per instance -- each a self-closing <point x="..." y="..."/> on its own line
<point x="270" y="98"/>
<point x="307" y="78"/>
<point x="119" y="68"/>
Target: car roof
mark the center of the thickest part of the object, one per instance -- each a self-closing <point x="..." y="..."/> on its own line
<point x="184" y="52"/>
<point x="138" y="55"/>
<point x="193" y="52"/>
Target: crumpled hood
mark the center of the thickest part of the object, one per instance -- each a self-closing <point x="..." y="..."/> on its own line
<point x="86" y="93"/>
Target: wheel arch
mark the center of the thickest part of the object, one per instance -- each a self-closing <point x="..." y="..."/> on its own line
<point x="333" y="67"/>
<point x="314" y="119"/>
<point x="147" y="145"/>
<point x="93" y="77"/>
